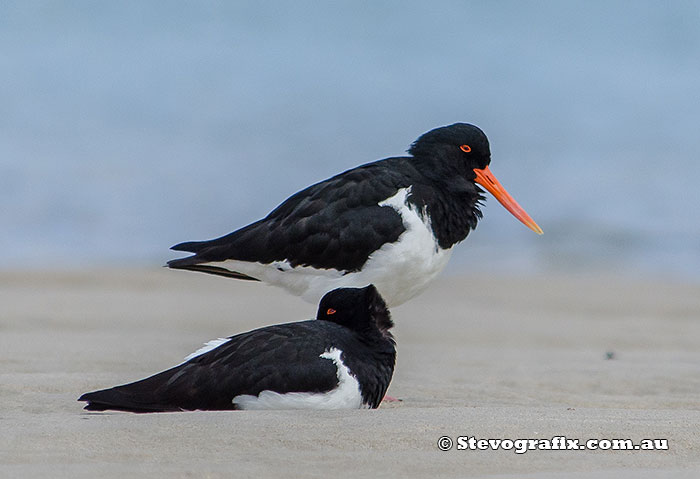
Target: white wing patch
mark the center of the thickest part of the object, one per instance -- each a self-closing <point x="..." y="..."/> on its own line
<point x="208" y="346"/>
<point x="345" y="396"/>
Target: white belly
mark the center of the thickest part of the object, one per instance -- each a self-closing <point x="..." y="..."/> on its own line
<point x="399" y="270"/>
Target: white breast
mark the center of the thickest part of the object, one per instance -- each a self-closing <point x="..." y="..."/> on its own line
<point x="345" y="396"/>
<point x="402" y="269"/>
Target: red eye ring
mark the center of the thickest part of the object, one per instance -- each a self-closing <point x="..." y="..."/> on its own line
<point x="466" y="148"/>
<point x="330" y="311"/>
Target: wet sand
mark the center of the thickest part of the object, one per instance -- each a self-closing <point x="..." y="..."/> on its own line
<point x="509" y="358"/>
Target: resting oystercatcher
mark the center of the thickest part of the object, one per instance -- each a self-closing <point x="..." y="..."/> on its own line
<point x="392" y="223"/>
<point x="342" y="360"/>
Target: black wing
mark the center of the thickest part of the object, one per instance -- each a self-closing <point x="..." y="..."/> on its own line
<point x="336" y="223"/>
<point x="282" y="358"/>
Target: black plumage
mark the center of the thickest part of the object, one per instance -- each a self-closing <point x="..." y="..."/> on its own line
<point x="283" y="358"/>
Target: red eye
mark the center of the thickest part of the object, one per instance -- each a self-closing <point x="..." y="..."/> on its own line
<point x="330" y="311"/>
<point x="465" y="148"/>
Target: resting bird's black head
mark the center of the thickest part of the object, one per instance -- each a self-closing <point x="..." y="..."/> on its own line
<point x="359" y="309"/>
<point x="463" y="149"/>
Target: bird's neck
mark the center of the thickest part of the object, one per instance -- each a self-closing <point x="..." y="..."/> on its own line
<point x="450" y="199"/>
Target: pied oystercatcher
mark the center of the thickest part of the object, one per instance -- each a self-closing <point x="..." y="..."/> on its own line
<point x="342" y="360"/>
<point x="392" y="223"/>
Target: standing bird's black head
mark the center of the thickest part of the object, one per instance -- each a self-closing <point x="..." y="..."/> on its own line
<point x="465" y="144"/>
<point x="464" y="150"/>
<point x="359" y="309"/>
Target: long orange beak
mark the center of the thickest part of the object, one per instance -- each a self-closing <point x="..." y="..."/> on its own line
<point x="486" y="179"/>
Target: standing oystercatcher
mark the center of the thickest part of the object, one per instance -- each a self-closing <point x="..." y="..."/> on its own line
<point x="342" y="360"/>
<point x="391" y="223"/>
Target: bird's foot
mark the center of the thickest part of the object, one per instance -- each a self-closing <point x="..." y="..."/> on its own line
<point x="388" y="398"/>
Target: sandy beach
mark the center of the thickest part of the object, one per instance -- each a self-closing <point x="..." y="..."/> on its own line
<point x="495" y="357"/>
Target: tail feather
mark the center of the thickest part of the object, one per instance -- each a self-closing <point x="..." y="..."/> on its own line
<point x="167" y="391"/>
<point x="208" y="252"/>
<point x="122" y="401"/>
<point x="186" y="387"/>
<point x="190" y="263"/>
<point x="191" y="246"/>
<point x="199" y="263"/>
<point x="152" y="394"/>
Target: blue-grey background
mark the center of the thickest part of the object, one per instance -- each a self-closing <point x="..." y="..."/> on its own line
<point x="126" y="127"/>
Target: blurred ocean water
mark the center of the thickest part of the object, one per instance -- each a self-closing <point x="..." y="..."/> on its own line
<point x="126" y="127"/>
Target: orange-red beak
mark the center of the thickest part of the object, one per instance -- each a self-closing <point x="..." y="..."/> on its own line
<point x="486" y="179"/>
